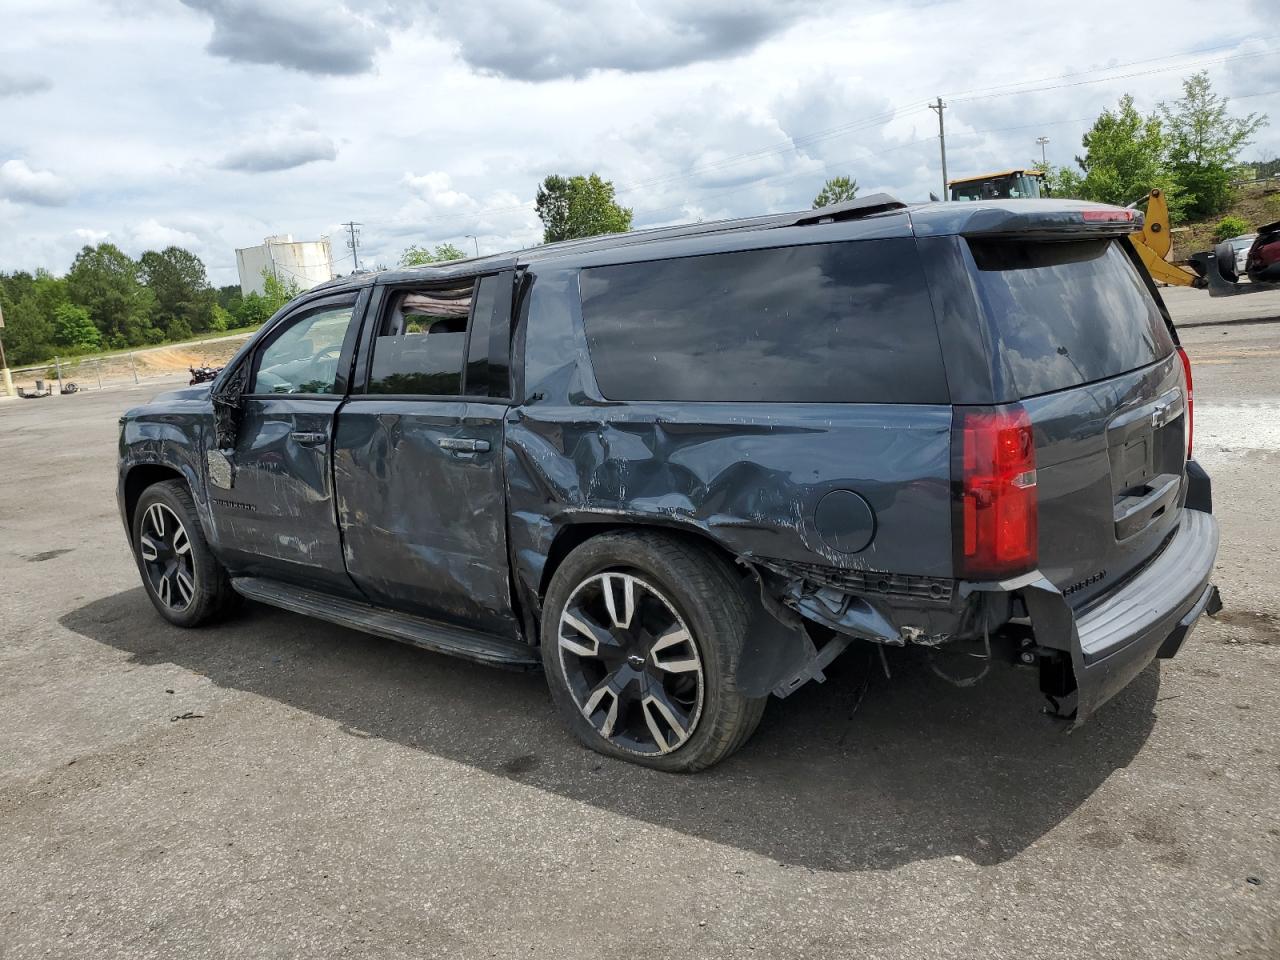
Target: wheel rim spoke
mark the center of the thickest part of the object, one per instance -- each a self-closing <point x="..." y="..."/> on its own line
<point x="663" y="715"/>
<point x="620" y="598"/>
<point x="606" y="696"/>
<point x="585" y="637"/>
<point x="186" y="586"/>
<point x="181" y="542"/>
<point x="150" y="552"/>
<point x="156" y="518"/>
<point x="674" y="651"/>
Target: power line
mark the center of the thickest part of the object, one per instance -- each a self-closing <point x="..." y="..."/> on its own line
<point x="1123" y="76"/>
<point x="1114" y="66"/>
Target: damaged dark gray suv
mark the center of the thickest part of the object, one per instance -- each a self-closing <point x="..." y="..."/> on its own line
<point x="681" y="470"/>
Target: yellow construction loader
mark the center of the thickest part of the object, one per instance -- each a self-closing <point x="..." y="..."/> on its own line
<point x="1155" y="241"/>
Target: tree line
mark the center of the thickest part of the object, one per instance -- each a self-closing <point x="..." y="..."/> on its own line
<point x="109" y="301"/>
<point x="1189" y="148"/>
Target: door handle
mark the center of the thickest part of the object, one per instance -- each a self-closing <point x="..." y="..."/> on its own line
<point x="463" y="445"/>
<point x="308" y="439"/>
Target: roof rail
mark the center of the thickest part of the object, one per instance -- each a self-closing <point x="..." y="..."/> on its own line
<point x="866" y="206"/>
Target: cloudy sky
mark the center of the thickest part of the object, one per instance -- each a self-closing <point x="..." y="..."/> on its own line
<point x="212" y="123"/>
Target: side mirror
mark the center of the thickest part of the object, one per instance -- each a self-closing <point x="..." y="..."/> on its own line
<point x="227" y="405"/>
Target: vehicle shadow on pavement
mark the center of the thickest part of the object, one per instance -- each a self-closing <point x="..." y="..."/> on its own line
<point x="919" y="770"/>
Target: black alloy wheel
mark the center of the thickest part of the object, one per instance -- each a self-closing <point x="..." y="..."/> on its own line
<point x="631" y="663"/>
<point x="165" y="550"/>
<point x="186" y="583"/>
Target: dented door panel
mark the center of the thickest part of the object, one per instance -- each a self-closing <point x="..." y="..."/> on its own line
<point x="276" y="517"/>
<point x="422" y="510"/>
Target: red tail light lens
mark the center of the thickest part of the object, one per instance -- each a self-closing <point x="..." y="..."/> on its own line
<point x="1106" y="216"/>
<point x="1191" y="416"/>
<point x="994" y="477"/>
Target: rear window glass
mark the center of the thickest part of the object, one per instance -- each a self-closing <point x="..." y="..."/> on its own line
<point x="823" y="323"/>
<point x="1068" y="313"/>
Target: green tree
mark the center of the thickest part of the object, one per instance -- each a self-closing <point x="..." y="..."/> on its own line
<point x="1123" y="160"/>
<point x="253" y="310"/>
<point x="104" y="280"/>
<point x="573" y="207"/>
<point x="1204" y="143"/>
<point x="836" y="190"/>
<point x="184" y="299"/>
<point x="416" y="256"/>
<point x="28" y="330"/>
<point x="73" y="329"/>
<point x="222" y="319"/>
<point x="276" y="292"/>
<point x="29" y="303"/>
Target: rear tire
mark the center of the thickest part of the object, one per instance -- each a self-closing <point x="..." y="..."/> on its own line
<point x="1226" y="257"/>
<point x="186" y="583"/>
<point x="641" y="641"/>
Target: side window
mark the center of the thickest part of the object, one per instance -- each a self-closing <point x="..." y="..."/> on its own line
<point x="843" y="322"/>
<point x="304" y="357"/>
<point x="422" y="341"/>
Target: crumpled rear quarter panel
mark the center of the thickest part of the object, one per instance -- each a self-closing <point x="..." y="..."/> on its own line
<point x="748" y="475"/>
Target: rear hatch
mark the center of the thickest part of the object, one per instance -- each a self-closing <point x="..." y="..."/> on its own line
<point x="1079" y="339"/>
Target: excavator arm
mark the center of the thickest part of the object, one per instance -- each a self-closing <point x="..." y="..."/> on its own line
<point x="1155" y="241"/>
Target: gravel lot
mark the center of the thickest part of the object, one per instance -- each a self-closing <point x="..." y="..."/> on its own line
<point x="277" y="787"/>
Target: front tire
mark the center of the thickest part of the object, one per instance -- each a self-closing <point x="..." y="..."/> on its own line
<point x="641" y="640"/>
<point x="186" y="583"/>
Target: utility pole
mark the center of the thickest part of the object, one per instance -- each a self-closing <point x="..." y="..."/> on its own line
<point x="353" y="229"/>
<point x="1044" y="162"/>
<point x="475" y="239"/>
<point x="942" y="145"/>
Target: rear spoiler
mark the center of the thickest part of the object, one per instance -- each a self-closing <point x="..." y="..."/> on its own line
<point x="1071" y="223"/>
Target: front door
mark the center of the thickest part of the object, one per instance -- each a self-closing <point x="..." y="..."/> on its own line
<point x="272" y="502"/>
<point x="418" y="455"/>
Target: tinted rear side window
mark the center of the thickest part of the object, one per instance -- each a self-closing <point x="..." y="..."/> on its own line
<point x="824" y="323"/>
<point x="1068" y="313"/>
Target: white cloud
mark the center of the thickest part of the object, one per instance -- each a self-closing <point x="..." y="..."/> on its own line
<point x="22" y="84"/>
<point x="89" y="236"/>
<point x="21" y="184"/>
<point x="306" y="35"/>
<point x="152" y="235"/>
<point x="548" y="39"/>
<point x="280" y="150"/>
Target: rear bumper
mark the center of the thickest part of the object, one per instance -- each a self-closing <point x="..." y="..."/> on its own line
<point x="1112" y="641"/>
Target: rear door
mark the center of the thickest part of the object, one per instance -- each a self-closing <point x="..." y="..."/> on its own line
<point x="1079" y="339"/>
<point x="418" y="454"/>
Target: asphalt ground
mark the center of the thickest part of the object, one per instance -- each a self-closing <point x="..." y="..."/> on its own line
<point x="279" y="787"/>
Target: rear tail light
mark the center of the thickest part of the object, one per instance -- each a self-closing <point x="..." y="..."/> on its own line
<point x="994" y="481"/>
<point x="1191" y="416"/>
<point x="1107" y="216"/>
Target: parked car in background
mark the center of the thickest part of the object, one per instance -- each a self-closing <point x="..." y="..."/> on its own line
<point x="1262" y="261"/>
<point x="681" y="470"/>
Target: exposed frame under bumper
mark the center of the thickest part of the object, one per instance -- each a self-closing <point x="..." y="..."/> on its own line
<point x="1151" y="615"/>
